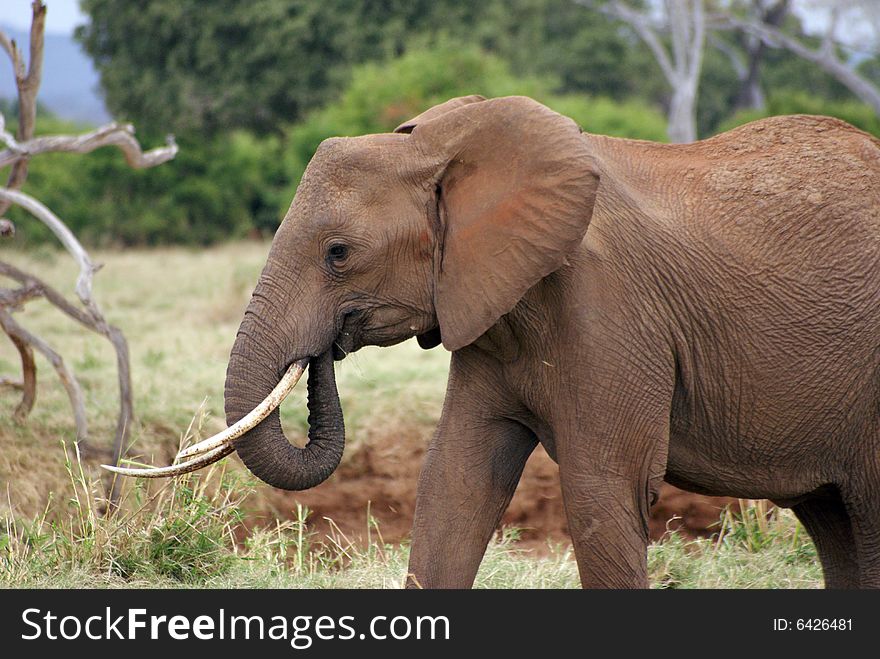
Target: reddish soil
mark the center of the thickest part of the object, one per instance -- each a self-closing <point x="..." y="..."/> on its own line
<point x="383" y="474"/>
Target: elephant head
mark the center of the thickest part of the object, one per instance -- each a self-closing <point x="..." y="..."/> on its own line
<point x="435" y="231"/>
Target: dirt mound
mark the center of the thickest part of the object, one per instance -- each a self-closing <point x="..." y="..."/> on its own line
<point x="382" y="474"/>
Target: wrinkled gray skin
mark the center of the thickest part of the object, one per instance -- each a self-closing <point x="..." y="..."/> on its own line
<point x="708" y="312"/>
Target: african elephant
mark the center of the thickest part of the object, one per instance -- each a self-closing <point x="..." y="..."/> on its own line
<point x="708" y="313"/>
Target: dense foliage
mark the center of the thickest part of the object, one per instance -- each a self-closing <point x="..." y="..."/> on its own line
<point x="186" y="65"/>
<point x="251" y="88"/>
<point x="381" y="96"/>
<point x="237" y="183"/>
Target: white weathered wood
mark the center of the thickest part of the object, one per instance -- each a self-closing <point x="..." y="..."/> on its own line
<point x="11" y="48"/>
<point x="118" y="135"/>
<point x="65" y="236"/>
<point x="71" y="385"/>
<point x="825" y="56"/>
<point x="27" y="84"/>
<point x="19" y="149"/>
<point x="685" y="22"/>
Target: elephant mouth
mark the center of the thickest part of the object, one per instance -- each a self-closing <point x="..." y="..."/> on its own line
<point x="349" y="338"/>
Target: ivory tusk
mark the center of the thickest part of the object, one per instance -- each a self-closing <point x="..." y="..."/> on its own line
<point x="220" y="445"/>
<point x="174" y="470"/>
<point x="252" y="418"/>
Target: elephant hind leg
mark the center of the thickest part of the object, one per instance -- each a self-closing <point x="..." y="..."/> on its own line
<point x="828" y="523"/>
<point x="862" y="497"/>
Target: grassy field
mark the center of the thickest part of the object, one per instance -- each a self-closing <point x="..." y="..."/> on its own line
<point x="180" y="309"/>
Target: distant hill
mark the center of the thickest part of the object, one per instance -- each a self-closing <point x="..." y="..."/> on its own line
<point x="70" y="82"/>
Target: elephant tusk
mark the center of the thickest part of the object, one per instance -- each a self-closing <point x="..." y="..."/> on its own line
<point x="220" y="445"/>
<point x="252" y="418"/>
<point x="174" y="470"/>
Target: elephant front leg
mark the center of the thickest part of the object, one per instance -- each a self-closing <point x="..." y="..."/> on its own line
<point x="471" y="471"/>
<point x="612" y="459"/>
<point x="608" y="530"/>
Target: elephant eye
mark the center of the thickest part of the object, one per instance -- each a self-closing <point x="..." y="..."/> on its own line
<point x="337" y="252"/>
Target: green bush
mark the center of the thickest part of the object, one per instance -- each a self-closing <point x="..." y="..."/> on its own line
<point x="856" y="113"/>
<point x="603" y="116"/>
<point x="238" y="184"/>
<point x="382" y="95"/>
<point x="213" y="190"/>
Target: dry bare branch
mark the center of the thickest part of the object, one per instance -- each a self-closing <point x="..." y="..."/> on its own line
<point x="825" y="56"/>
<point x="118" y="135"/>
<point x="643" y="26"/>
<point x="28" y="85"/>
<point x="11" y="48"/>
<point x="96" y="323"/>
<point x="87" y="269"/>
<point x="15" y="299"/>
<point x="28" y="384"/>
<point x="5" y="136"/>
<point x="9" y="382"/>
<point x="74" y="392"/>
<point x="19" y="148"/>
<point x="38" y="288"/>
<point x="686" y="24"/>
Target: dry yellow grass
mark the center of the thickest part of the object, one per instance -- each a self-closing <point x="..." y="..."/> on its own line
<point x="180" y="309"/>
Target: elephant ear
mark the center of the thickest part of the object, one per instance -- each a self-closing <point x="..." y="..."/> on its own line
<point x="437" y="110"/>
<point x="516" y="185"/>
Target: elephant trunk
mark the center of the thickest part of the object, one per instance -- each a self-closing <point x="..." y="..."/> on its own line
<point x="264" y="449"/>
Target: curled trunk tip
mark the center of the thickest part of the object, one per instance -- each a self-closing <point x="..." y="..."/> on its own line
<point x="264" y="449"/>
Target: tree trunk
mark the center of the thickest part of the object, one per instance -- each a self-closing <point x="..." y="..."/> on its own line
<point x="682" y="126"/>
<point x="750" y="95"/>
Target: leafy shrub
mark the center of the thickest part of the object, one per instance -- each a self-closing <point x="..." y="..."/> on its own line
<point x="856" y="113"/>
<point x="213" y="190"/>
<point x="603" y="116"/>
<point x="382" y="95"/>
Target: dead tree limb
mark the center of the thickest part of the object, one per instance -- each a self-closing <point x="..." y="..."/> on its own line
<point x="13" y="299"/>
<point x="87" y="269"/>
<point x="17" y="152"/>
<point x="28" y="83"/>
<point x="825" y="56"/>
<point x="11" y="48"/>
<point x="681" y="64"/>
<point x="74" y="391"/>
<point x="90" y="317"/>
<point x="36" y="287"/>
<point x="28" y="384"/>
<point x="118" y="135"/>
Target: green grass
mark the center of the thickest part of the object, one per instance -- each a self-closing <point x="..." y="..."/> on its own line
<point x="180" y="310"/>
<point x="753" y="549"/>
<point x="190" y="533"/>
